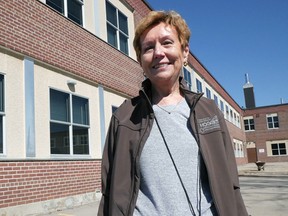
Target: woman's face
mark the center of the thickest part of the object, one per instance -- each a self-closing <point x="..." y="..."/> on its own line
<point x="161" y="55"/>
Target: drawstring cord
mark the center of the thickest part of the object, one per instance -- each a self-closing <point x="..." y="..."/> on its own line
<point x="199" y="164"/>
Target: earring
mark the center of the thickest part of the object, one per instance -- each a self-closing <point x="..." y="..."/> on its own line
<point x="144" y="74"/>
<point x="185" y="63"/>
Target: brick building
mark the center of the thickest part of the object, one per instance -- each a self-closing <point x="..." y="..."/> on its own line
<point x="266" y="129"/>
<point x="267" y="133"/>
<point x="64" y="67"/>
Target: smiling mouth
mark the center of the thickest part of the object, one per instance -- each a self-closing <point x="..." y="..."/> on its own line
<point x="160" y="66"/>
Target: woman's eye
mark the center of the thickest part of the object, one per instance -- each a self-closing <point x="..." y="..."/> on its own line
<point x="147" y="48"/>
<point x="167" y="42"/>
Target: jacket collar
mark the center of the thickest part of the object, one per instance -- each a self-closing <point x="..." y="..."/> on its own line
<point x="191" y="97"/>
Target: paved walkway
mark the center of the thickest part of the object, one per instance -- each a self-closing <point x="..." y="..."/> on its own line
<point x="85" y="210"/>
<point x="270" y="169"/>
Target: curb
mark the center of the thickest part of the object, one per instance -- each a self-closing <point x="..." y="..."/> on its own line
<point x="263" y="174"/>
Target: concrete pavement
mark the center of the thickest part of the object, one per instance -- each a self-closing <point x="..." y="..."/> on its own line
<point x="250" y="169"/>
<point x="265" y="195"/>
<point x="84" y="210"/>
<point x="270" y="169"/>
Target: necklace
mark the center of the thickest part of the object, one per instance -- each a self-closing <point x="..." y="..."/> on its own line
<point x="170" y="111"/>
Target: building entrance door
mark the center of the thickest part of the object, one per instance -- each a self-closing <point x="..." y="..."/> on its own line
<point x="252" y="155"/>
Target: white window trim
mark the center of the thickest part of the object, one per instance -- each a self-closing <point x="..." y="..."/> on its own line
<point x="71" y="124"/>
<point x="238" y="148"/>
<point x="189" y="85"/>
<point x="66" y="10"/>
<point x="248" y="118"/>
<point x="272" y="115"/>
<point x="118" y="29"/>
<point x="200" y="84"/>
<point x="208" y="90"/>
<point x="269" y="147"/>
<point x="4" y="118"/>
<point x="4" y="131"/>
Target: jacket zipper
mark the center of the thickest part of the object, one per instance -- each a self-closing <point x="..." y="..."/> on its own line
<point x="197" y="137"/>
<point x="137" y="158"/>
<point x="205" y="162"/>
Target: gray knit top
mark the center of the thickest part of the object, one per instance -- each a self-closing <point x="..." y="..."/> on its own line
<point x="161" y="193"/>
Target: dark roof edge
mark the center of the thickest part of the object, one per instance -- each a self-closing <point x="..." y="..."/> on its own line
<point x="215" y="79"/>
<point x="266" y="106"/>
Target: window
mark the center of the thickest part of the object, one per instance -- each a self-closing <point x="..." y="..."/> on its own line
<point x="117" y="28"/>
<point x="238" y="121"/>
<point x="199" y="86"/>
<point x="249" y="123"/>
<point x="208" y="93"/>
<point x="278" y="149"/>
<point x="69" y="8"/>
<point x="216" y="100"/>
<point x="114" y="108"/>
<point x="238" y="148"/>
<point x="69" y="123"/>
<point x="222" y="106"/>
<point x="272" y="121"/>
<point x="227" y="112"/>
<point x="231" y="115"/>
<point x="187" y="78"/>
<point x="2" y="114"/>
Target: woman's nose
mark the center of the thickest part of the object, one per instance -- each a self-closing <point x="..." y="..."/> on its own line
<point x="158" y="51"/>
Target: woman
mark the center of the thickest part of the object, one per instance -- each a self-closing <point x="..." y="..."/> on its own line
<point x="168" y="151"/>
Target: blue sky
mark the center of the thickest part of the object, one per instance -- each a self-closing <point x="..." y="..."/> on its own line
<point x="232" y="38"/>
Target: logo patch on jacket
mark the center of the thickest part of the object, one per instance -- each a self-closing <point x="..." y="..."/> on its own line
<point x="208" y="124"/>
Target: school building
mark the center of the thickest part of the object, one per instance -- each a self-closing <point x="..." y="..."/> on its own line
<point x="266" y="131"/>
<point x="65" y="66"/>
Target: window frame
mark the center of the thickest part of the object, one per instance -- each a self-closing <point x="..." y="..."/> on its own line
<point x="187" y="78"/>
<point x="222" y="106"/>
<point x="118" y="29"/>
<point x="238" y="148"/>
<point x="216" y="100"/>
<point x="199" y="87"/>
<point x="71" y="125"/>
<point x="66" y="12"/>
<point x="3" y="113"/>
<point x="248" y="119"/>
<point x="273" y="122"/>
<point x="227" y="112"/>
<point x="279" y="149"/>
<point x="208" y="93"/>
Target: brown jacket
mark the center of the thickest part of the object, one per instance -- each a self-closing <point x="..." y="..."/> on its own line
<point x="129" y="128"/>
